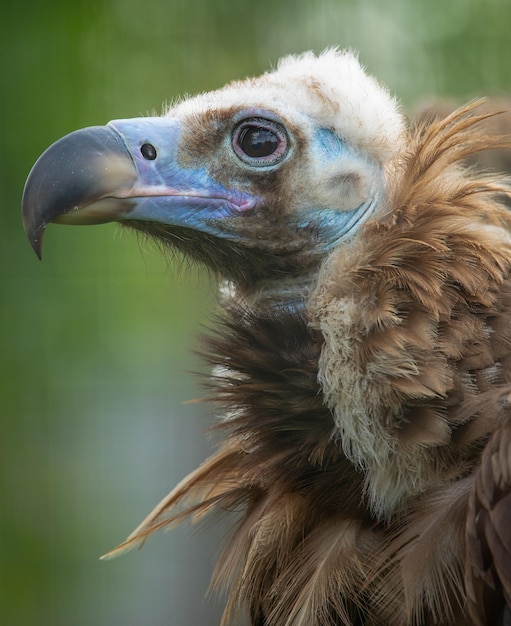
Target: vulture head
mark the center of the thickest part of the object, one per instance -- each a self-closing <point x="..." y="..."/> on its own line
<point x="362" y="361"/>
<point x="258" y="180"/>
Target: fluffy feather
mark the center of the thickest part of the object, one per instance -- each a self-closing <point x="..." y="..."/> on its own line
<point x="488" y="549"/>
<point x="407" y="312"/>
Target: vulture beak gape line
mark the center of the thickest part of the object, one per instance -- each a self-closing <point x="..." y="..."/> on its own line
<point x="362" y="358"/>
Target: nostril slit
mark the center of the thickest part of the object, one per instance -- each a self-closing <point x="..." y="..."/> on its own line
<point x="148" y="151"/>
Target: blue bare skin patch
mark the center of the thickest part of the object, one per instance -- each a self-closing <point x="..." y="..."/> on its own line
<point x="337" y="223"/>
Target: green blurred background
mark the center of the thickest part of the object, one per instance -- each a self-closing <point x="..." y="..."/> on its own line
<point x="96" y="340"/>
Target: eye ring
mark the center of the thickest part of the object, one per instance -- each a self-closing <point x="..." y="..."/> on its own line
<point x="260" y="142"/>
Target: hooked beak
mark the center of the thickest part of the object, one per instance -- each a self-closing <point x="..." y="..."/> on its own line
<point x="83" y="178"/>
<point x="127" y="170"/>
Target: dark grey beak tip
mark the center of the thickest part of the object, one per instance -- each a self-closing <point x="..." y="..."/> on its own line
<point x="36" y="241"/>
<point x="69" y="175"/>
<point x="33" y="230"/>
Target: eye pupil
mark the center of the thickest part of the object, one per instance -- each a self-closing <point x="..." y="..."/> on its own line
<point x="258" y="142"/>
<point x="148" y="151"/>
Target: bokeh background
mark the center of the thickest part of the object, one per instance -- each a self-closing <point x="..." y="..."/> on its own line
<point x="96" y="341"/>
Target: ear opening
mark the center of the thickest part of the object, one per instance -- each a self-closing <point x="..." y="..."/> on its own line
<point x="346" y="184"/>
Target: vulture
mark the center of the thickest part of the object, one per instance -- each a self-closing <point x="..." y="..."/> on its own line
<point x="361" y="357"/>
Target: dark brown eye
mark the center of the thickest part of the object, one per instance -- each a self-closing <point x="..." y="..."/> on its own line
<point x="148" y="151"/>
<point x="260" y="142"/>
